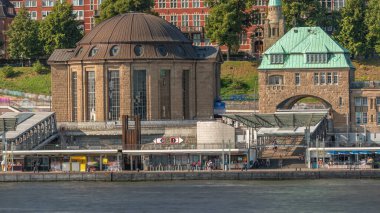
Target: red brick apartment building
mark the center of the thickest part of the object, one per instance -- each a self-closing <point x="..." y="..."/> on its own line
<point x="188" y="15"/>
<point x="191" y="15"/>
<point x="39" y="9"/>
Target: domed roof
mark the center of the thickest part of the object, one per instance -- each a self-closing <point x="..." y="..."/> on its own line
<point x="134" y="36"/>
<point x="134" y="28"/>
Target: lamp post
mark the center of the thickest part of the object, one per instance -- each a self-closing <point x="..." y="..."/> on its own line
<point x="6" y="124"/>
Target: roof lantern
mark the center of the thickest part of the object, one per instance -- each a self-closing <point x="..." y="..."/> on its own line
<point x="274" y="3"/>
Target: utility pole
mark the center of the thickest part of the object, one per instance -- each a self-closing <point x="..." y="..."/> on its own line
<point x="348" y="137"/>
<point x="229" y="155"/>
<point x="223" y="160"/>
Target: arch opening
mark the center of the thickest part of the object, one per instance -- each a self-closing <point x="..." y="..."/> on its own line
<point x="304" y="102"/>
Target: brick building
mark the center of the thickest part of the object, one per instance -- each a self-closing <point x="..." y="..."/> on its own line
<point x="188" y="15"/>
<point x="306" y="62"/>
<point x="191" y="15"/>
<point x="135" y="64"/>
<point x="7" y="13"/>
<point x="39" y="9"/>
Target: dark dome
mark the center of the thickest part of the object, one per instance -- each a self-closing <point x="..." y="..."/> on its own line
<point x="134" y="28"/>
<point x="134" y="36"/>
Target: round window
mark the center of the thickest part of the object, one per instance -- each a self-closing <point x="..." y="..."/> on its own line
<point x="79" y="52"/>
<point x="93" y="51"/>
<point x="114" y="50"/>
<point x="181" y="51"/>
<point x="162" y="50"/>
<point x="138" y="50"/>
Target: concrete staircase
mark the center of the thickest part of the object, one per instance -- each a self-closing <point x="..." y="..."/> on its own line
<point x="287" y="148"/>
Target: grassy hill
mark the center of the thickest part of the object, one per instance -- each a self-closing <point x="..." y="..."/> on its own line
<point x="27" y="81"/>
<point x="239" y="78"/>
<point x="368" y="70"/>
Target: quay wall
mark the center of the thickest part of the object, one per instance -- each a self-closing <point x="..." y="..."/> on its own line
<point x="168" y="176"/>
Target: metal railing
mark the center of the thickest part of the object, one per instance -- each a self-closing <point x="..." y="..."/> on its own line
<point x="189" y="146"/>
<point x="116" y="125"/>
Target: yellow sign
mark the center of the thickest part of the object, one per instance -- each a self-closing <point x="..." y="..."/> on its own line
<point x="105" y="161"/>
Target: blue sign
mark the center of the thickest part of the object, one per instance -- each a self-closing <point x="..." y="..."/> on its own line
<point x="219" y="107"/>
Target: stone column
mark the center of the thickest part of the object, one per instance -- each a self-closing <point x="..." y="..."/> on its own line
<point x="153" y="75"/>
<point x="100" y="91"/>
<point x="125" y="90"/>
<point x="176" y="92"/>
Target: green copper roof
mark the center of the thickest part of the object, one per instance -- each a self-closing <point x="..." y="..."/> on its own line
<point x="274" y="3"/>
<point x="298" y="42"/>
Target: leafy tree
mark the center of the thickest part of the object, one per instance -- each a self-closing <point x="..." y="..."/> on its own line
<point x="60" y="29"/>
<point x="39" y="68"/>
<point x="303" y="13"/>
<point x="110" y="8"/>
<point x="23" y="37"/>
<point x="353" y="30"/>
<point x="227" y="20"/>
<point x="372" y="20"/>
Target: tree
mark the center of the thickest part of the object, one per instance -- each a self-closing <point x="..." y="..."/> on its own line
<point x="304" y="13"/>
<point x="111" y="8"/>
<point x="60" y="29"/>
<point x="353" y="30"/>
<point x="228" y="19"/>
<point x="23" y="37"/>
<point x="372" y="21"/>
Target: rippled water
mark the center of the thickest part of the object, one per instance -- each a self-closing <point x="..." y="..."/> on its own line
<point x="193" y="196"/>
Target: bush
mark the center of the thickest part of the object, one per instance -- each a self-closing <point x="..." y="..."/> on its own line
<point x="8" y="72"/>
<point x="39" y="68"/>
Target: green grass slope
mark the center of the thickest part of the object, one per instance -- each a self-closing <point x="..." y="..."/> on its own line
<point x="27" y="81"/>
<point x="239" y="78"/>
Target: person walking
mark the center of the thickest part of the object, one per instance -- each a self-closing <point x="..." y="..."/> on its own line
<point x="34" y="166"/>
<point x="245" y="166"/>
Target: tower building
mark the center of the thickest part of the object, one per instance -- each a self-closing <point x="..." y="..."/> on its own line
<point x="274" y="27"/>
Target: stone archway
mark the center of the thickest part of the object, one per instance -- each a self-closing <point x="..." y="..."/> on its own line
<point x="289" y="103"/>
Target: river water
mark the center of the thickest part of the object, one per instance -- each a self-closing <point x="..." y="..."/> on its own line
<point x="193" y="196"/>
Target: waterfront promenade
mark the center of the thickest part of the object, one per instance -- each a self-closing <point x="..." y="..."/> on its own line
<point x="283" y="174"/>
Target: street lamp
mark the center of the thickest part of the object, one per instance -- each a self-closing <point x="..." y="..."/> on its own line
<point x="6" y="124"/>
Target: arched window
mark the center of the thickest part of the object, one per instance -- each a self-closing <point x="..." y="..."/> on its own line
<point x="138" y="50"/>
<point x="259" y="33"/>
<point x="79" y="52"/>
<point x="162" y="50"/>
<point x="93" y="51"/>
<point x="114" y="50"/>
<point x="276" y="80"/>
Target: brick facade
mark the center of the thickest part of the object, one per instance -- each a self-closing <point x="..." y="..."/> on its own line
<point x="203" y="89"/>
<point x="274" y="97"/>
<point x="371" y="108"/>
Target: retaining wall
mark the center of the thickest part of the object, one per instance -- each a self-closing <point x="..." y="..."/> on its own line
<point x="167" y="176"/>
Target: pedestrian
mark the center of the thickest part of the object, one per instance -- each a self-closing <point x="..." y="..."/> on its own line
<point x="245" y="166"/>
<point x="3" y="165"/>
<point x="193" y="166"/>
<point x="38" y="166"/>
<point x="34" y="166"/>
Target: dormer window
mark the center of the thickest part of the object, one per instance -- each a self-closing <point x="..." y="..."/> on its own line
<point x="277" y="59"/>
<point x="316" y="58"/>
<point x="93" y="51"/>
